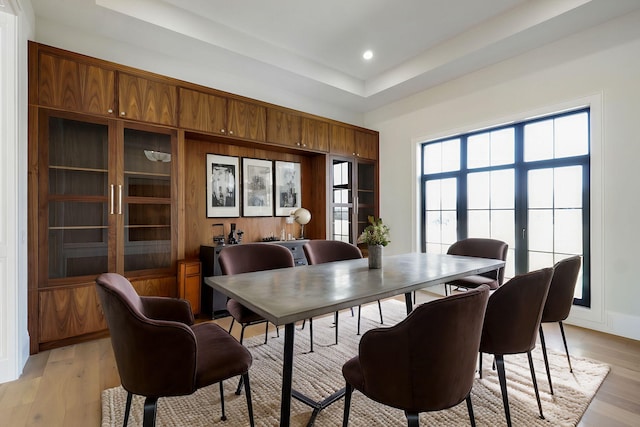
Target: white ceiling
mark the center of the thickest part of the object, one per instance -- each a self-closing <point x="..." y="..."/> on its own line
<point x="314" y="48"/>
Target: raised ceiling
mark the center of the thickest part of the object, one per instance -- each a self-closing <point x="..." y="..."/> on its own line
<point x="314" y="48"/>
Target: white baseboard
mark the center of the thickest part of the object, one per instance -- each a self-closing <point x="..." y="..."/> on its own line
<point x="620" y="324"/>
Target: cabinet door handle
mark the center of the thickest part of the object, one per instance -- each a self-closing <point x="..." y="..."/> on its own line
<point x="120" y="199"/>
<point x="111" y="211"/>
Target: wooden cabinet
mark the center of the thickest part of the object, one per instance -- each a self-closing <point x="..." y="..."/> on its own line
<point x="104" y="190"/>
<point x="366" y="145"/>
<point x="105" y="203"/>
<point x="147" y="100"/>
<point x="343" y="140"/>
<point x="283" y="127"/>
<point x="69" y="312"/>
<point x="220" y="115"/>
<point x="315" y="134"/>
<point x="203" y="112"/>
<point x="189" y="281"/>
<point x="246" y="120"/>
<point x="347" y="141"/>
<point x="293" y="130"/>
<point x="76" y="86"/>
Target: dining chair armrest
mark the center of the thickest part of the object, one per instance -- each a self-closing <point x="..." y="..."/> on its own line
<point x="173" y="309"/>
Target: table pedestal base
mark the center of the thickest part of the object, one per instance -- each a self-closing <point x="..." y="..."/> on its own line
<point x="317" y="406"/>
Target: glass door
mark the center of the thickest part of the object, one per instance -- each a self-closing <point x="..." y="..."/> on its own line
<point x="75" y="198"/>
<point x="353" y="197"/>
<point x="145" y="199"/>
<point x="341" y="200"/>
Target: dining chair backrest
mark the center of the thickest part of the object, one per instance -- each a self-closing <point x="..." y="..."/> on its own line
<point x="140" y="342"/>
<point x="249" y="257"/>
<point x="418" y="352"/>
<point x="321" y="251"/>
<point x="483" y="248"/>
<point x="561" y="291"/>
<point x="514" y="313"/>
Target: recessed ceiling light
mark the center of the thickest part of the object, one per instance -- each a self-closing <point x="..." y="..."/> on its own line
<point x="367" y="54"/>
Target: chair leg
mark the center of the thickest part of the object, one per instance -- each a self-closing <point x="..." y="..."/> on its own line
<point x="503" y="387"/>
<point x="247" y="391"/>
<point x="311" y="333"/>
<point x="445" y="290"/>
<point x="535" y="384"/>
<point x="546" y="359"/>
<point x="304" y="322"/>
<point x="150" y="408"/>
<point x="566" y="349"/>
<point x="336" y="332"/>
<point x="242" y="332"/>
<point x="127" y="409"/>
<point x="231" y="326"/>
<point x="480" y="365"/>
<point x="347" y="404"/>
<point x="223" y="417"/>
<point x="380" y="310"/>
<point x="472" y="418"/>
<point x="412" y="419"/>
<point x="266" y="331"/>
<point x="359" y="310"/>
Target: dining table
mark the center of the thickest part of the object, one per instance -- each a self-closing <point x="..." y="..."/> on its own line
<point x="288" y="295"/>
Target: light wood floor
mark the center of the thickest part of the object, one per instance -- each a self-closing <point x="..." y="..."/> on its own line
<point x="61" y="387"/>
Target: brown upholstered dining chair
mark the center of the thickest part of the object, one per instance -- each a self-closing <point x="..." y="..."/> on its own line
<point x="323" y="251"/>
<point x="559" y="303"/>
<point x="434" y="352"/>
<point x="247" y="258"/>
<point x="159" y="352"/>
<point x="511" y="324"/>
<point x="482" y="248"/>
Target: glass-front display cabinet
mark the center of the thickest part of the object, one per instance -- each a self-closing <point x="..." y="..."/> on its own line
<point x="107" y="204"/>
<point x="353" y="197"/>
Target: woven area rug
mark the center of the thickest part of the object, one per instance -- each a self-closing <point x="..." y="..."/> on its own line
<point x="318" y="374"/>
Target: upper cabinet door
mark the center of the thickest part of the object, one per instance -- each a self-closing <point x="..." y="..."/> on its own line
<point x="202" y="111"/>
<point x="283" y="128"/>
<point x="343" y="140"/>
<point x="71" y="85"/>
<point x="315" y="134"/>
<point x="147" y="100"/>
<point x="246" y="120"/>
<point x="366" y="145"/>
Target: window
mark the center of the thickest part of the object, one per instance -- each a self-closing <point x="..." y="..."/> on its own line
<point x="526" y="184"/>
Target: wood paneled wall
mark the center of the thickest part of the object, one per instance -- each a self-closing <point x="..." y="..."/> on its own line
<point x="198" y="228"/>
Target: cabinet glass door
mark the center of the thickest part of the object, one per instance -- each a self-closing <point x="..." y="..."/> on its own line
<point x="366" y="195"/>
<point x="146" y="200"/>
<point x="77" y="198"/>
<point x="342" y="200"/>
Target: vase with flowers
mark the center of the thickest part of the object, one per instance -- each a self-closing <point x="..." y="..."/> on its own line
<point x="375" y="236"/>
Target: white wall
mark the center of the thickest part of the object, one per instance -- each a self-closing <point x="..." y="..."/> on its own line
<point x="14" y="340"/>
<point x="599" y="67"/>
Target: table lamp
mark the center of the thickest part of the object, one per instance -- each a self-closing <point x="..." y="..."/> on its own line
<point x="302" y="216"/>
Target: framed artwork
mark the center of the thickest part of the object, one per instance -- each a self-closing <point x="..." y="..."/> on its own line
<point x="287" y="187"/>
<point x="257" y="187"/>
<point x="223" y="186"/>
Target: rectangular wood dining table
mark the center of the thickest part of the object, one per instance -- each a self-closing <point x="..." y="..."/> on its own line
<point x="288" y="295"/>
